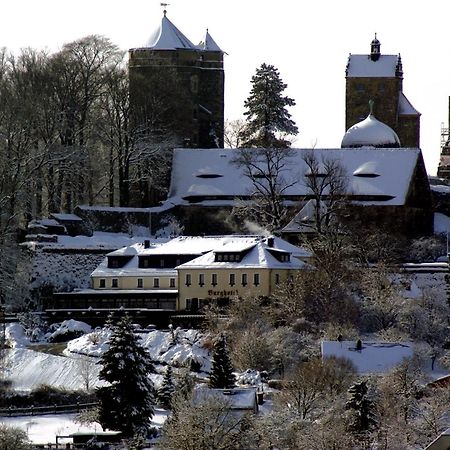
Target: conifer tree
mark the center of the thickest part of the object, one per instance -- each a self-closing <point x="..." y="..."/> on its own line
<point x="127" y="403"/>
<point x="362" y="408"/>
<point x="266" y="115"/>
<point x="221" y="371"/>
<point x="165" y="392"/>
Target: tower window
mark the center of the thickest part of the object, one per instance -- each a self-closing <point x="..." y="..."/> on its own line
<point x="172" y="282"/>
<point x="188" y="279"/>
<point x="256" y="279"/>
<point x="102" y="283"/>
<point x="140" y="283"/>
<point x="156" y="282"/>
<point x="115" y="283"/>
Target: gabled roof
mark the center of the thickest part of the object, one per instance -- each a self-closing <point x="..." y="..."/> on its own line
<point x="258" y="255"/>
<point x="395" y="168"/>
<point x="208" y="44"/>
<point x="169" y="37"/>
<point x="405" y="108"/>
<point x="304" y="220"/>
<point x="361" y="66"/>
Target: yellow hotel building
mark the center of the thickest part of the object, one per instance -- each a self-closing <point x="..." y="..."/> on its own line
<point x="189" y="271"/>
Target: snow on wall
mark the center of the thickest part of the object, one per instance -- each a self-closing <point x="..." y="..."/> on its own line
<point x="63" y="270"/>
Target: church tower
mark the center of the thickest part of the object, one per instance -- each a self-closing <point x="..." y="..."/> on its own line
<point x="193" y="76"/>
<point x="379" y="78"/>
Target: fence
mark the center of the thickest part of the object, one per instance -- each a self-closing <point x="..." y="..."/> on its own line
<point x="49" y="409"/>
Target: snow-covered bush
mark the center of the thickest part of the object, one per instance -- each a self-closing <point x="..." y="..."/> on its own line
<point x="69" y="329"/>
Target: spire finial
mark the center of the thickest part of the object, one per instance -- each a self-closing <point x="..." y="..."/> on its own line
<point x="164" y="5"/>
<point x="371" y="103"/>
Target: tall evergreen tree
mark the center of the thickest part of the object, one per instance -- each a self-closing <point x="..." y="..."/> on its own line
<point x="267" y="119"/>
<point x="362" y="408"/>
<point x="165" y="392"/>
<point x="221" y="371"/>
<point x="127" y="403"/>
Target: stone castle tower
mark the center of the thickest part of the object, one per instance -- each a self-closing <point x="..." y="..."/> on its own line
<point x="379" y="78"/>
<point x="198" y="116"/>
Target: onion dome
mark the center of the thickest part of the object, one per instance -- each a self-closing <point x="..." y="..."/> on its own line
<point x="370" y="133"/>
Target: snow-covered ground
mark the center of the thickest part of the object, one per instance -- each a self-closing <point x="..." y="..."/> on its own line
<point x="44" y="429"/>
<point x="28" y="368"/>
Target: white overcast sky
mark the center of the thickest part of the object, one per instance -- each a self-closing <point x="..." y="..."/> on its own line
<point x="308" y="41"/>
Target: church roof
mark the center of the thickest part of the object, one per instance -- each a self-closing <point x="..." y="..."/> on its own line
<point x="208" y="177"/>
<point x="405" y="108"/>
<point x="208" y="44"/>
<point x="370" y="133"/>
<point x="169" y="37"/>
<point x="362" y="66"/>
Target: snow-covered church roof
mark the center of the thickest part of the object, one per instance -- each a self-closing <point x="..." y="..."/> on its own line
<point x="362" y="66"/>
<point x="209" y="177"/>
<point x="370" y="133"/>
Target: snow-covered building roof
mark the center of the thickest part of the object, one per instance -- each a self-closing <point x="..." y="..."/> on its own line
<point x="208" y="44"/>
<point x="208" y="177"/>
<point x="238" y="398"/>
<point x="405" y="108"/>
<point x="373" y="358"/>
<point x="370" y="133"/>
<point x="363" y="66"/>
<point x="169" y="37"/>
<point x="304" y="220"/>
<point x="202" y="249"/>
<point x="256" y="252"/>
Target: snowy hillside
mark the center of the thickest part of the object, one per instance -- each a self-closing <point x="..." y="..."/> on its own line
<point x="29" y="368"/>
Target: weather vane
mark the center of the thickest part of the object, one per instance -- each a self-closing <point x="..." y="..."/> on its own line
<point x="164" y="5"/>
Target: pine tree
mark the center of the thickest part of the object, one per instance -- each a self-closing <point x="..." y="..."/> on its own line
<point x="362" y="408"/>
<point x="266" y="115"/>
<point x="221" y="371"/>
<point x="127" y="404"/>
<point x="165" y="392"/>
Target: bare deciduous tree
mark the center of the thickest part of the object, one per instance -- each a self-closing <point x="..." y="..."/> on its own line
<point x="271" y="175"/>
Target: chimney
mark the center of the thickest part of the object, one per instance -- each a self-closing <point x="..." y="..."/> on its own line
<point x="147" y="243"/>
<point x="270" y="241"/>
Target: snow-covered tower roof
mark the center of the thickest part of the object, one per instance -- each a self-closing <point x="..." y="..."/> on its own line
<point x="370" y="133"/>
<point x="208" y="44"/>
<point x="169" y="37"/>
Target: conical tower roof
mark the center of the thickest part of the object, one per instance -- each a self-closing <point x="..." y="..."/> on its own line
<point x="209" y="44"/>
<point x="169" y="37"/>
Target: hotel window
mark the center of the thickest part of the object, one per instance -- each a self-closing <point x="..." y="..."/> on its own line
<point x="244" y="279"/>
<point x="172" y="282"/>
<point x="188" y="279"/>
<point x="145" y="263"/>
<point x="102" y="283"/>
<point x="214" y="279"/>
<point x="177" y="262"/>
<point x="140" y="283"/>
<point x="115" y="283"/>
<point x="156" y="282"/>
<point x="201" y="279"/>
<point x="161" y="263"/>
<point x="256" y="279"/>
<point x="277" y="278"/>
<point x="232" y="279"/>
